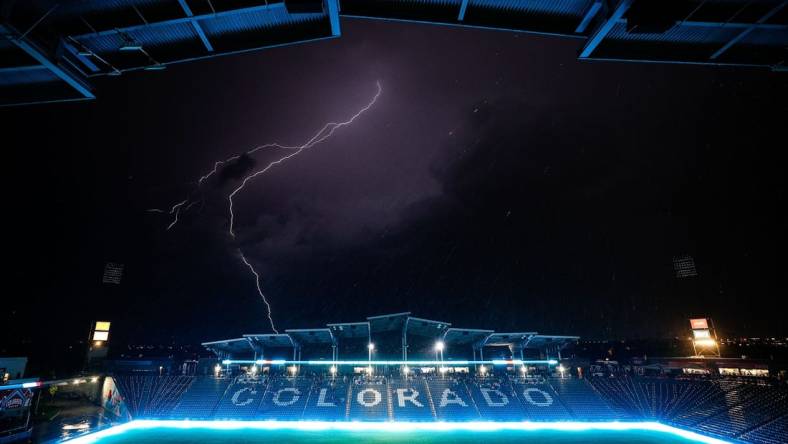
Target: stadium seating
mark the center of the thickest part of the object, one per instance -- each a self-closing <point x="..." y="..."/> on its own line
<point x="201" y="398"/>
<point x="735" y="410"/>
<point x="411" y="400"/>
<point x="582" y="400"/>
<point x="452" y="400"/>
<point x="495" y="399"/>
<point x="756" y="409"/>
<point x="285" y="398"/>
<point x="151" y="396"/>
<point x="242" y="399"/>
<point x="540" y="401"/>
<point x="369" y="400"/>
<point x="772" y="432"/>
<point x="723" y="396"/>
<point x="327" y="401"/>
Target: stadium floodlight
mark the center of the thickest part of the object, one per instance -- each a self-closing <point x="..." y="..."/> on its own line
<point x="129" y="45"/>
<point x="523" y="370"/>
<point x="333" y="370"/>
<point x="406" y="369"/>
<point x="254" y="369"/>
<point x="705" y="342"/>
<point x="439" y="346"/>
<point x="217" y="369"/>
<point x="371" y="346"/>
<point x="482" y="369"/>
<point x="444" y="369"/>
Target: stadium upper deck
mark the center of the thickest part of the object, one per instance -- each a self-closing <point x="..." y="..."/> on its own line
<point x="50" y="49"/>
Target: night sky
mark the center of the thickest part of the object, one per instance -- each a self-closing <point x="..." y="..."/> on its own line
<point x="496" y="183"/>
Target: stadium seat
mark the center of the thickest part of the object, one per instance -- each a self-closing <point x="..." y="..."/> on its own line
<point x="242" y="399"/>
<point x="540" y="401"/>
<point x="452" y="400"/>
<point x="411" y="400"/>
<point x="327" y="401"/>
<point x="285" y="398"/>
<point x="201" y="398"/>
<point x="369" y="400"/>
<point x="496" y="400"/>
<point x="581" y="400"/>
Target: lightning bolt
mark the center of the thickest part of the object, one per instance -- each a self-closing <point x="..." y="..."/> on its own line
<point x="259" y="290"/>
<point x="324" y="133"/>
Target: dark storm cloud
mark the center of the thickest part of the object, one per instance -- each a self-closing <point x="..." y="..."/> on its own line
<point x="236" y="169"/>
<point x="497" y="183"/>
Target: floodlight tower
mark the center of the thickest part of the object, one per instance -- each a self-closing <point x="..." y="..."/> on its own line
<point x="704" y="338"/>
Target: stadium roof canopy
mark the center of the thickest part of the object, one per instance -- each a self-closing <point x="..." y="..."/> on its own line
<point x="49" y="49"/>
<point x="515" y="340"/>
<point x="565" y="17"/>
<point x="463" y="336"/>
<point x="348" y="330"/>
<point x="550" y="341"/>
<point x="425" y="327"/>
<point x="229" y="347"/>
<point x="53" y="42"/>
<point x="720" y="32"/>
<point x="312" y="336"/>
<point x="388" y="322"/>
<point x="407" y="324"/>
<point x="271" y="340"/>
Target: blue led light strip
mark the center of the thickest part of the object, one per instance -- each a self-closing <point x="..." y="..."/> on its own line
<point x="474" y="426"/>
<point x="408" y="363"/>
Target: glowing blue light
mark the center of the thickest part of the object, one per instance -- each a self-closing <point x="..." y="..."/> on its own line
<point x="366" y="362"/>
<point x="475" y="426"/>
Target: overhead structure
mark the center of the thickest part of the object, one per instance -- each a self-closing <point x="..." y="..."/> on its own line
<point x="358" y="338"/>
<point x="350" y="330"/>
<point x="406" y="325"/>
<point x="569" y="18"/>
<point x="230" y="348"/>
<point x="263" y="342"/>
<point x="715" y="32"/>
<point x="49" y="49"/>
<point x="550" y="345"/>
<point x="313" y="336"/>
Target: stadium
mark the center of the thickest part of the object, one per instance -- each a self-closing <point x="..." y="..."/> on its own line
<point x="394" y="377"/>
<point x="400" y="373"/>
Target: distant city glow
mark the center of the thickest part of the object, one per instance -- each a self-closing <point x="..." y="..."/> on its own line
<point x="396" y="427"/>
